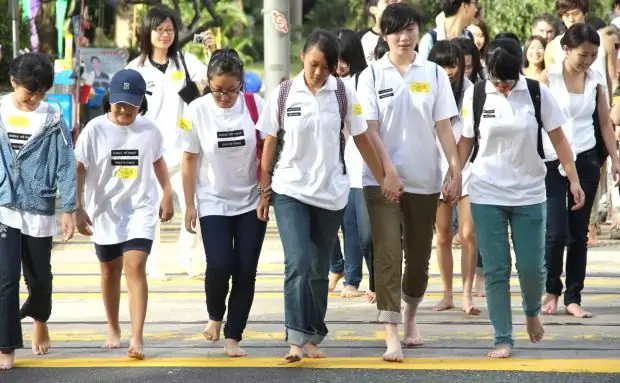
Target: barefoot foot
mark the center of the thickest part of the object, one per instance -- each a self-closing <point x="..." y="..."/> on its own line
<point x="334" y="278"/>
<point x="469" y="308"/>
<point x="7" y="360"/>
<point x="371" y="297"/>
<point x="212" y="331"/>
<point x="534" y="328"/>
<point x="501" y="351"/>
<point x="550" y="304"/>
<point x="113" y="339"/>
<point x="295" y="354"/>
<point x="575" y="310"/>
<point x="446" y="303"/>
<point x="232" y="348"/>
<point x="412" y="333"/>
<point x="350" y="292"/>
<point x="394" y="352"/>
<point x="40" y="338"/>
<point x="313" y="351"/>
<point x="136" y="349"/>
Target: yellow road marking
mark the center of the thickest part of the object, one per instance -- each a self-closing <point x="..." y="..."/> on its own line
<point x="451" y="364"/>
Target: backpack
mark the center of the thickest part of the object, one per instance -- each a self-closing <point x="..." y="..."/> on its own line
<point x="341" y="96"/>
<point x="480" y="96"/>
<point x="601" y="149"/>
<point x="433" y="34"/>
<point x="250" y="103"/>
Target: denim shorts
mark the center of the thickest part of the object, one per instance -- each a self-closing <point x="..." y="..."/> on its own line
<point x="108" y="253"/>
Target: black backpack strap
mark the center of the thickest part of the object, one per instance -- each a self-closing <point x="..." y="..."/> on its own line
<point x="433" y="34"/>
<point x="533" y="87"/>
<point x="357" y="79"/>
<point x="480" y="96"/>
<point x="601" y="149"/>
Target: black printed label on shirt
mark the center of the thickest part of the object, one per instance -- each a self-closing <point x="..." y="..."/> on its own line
<point x="230" y="134"/>
<point x="293" y="111"/>
<point x="488" y="113"/>
<point x="386" y="93"/>
<point x="125" y="157"/>
<point x="18" y="140"/>
<point x="230" y="144"/>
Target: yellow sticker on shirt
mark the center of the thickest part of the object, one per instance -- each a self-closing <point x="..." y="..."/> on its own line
<point x="464" y="112"/>
<point x="420" y="87"/>
<point x="177" y="75"/>
<point x="357" y="110"/>
<point x="19" y="121"/>
<point x="127" y="173"/>
<point x="185" y="124"/>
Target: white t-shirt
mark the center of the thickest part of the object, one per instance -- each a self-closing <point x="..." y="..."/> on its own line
<point x="426" y="42"/>
<point x="121" y="189"/>
<point x="166" y="107"/>
<point x="508" y="170"/>
<point x="352" y="156"/>
<point x="309" y="168"/>
<point x="225" y="139"/>
<point x="369" y="43"/>
<point x="457" y="128"/>
<point x="20" y="128"/>
<point x="407" y="109"/>
<point x="578" y="108"/>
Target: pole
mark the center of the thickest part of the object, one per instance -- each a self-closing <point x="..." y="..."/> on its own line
<point x="14" y="6"/>
<point x="276" y="14"/>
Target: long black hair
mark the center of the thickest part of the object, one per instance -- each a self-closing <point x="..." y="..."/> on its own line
<point x="153" y="19"/>
<point x="352" y="51"/>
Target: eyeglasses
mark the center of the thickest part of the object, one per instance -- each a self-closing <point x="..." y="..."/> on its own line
<point x="221" y="93"/>
<point x="161" y="31"/>
<point x="498" y="82"/>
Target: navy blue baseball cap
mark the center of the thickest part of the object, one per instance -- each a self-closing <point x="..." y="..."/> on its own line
<point x="127" y="86"/>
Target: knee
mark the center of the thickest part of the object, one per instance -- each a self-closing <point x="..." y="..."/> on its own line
<point x="468" y="235"/>
<point x="135" y="268"/>
<point x="497" y="273"/>
<point x="444" y="236"/>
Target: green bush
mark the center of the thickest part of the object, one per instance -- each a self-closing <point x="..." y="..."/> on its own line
<point x="6" y="39"/>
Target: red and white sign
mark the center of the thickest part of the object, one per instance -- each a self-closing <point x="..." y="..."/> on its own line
<point x="279" y="20"/>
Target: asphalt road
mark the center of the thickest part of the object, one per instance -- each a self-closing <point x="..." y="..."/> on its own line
<point x="298" y="375"/>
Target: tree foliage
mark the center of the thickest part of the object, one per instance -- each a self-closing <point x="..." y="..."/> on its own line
<point x="6" y="39"/>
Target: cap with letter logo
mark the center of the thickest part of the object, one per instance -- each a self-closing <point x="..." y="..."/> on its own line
<point x="127" y="86"/>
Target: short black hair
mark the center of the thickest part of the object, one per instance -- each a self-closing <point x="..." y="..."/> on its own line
<point x="508" y="35"/>
<point x="95" y="58"/>
<point x="328" y="43"/>
<point x="596" y="22"/>
<point x="33" y="71"/>
<point x="504" y="59"/>
<point x="106" y="107"/>
<point x="398" y="17"/>
<point x="545" y="17"/>
<point x="451" y="7"/>
<point x="447" y="53"/>
<point x="225" y="62"/>
<point x="381" y="49"/>
<point x="352" y="51"/>
<point x="578" y="34"/>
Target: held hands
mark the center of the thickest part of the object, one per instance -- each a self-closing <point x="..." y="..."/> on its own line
<point x="392" y="187"/>
<point x="452" y="185"/>
<point x="166" y="208"/>
<point x="578" y="195"/>
<point x="615" y="172"/>
<point x="83" y="222"/>
<point x="191" y="216"/>
<point x="68" y="226"/>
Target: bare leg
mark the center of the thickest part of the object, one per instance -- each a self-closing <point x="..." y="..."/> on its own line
<point x="469" y="254"/>
<point x="443" y="226"/>
<point x="135" y="265"/>
<point x="334" y="278"/>
<point x="412" y="333"/>
<point x="111" y="291"/>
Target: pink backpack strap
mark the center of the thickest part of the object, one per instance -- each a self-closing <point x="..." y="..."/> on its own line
<point x="250" y="103"/>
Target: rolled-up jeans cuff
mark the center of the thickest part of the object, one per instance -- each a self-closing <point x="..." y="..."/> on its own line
<point x="392" y="317"/>
<point x="480" y="271"/>
<point x="300" y="339"/>
<point x="412" y="300"/>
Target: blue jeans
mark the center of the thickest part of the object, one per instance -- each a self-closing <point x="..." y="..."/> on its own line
<point x="308" y="235"/>
<point x="527" y="224"/>
<point x="357" y="242"/>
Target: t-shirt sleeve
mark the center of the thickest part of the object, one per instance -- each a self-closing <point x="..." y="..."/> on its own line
<point x="467" y="113"/>
<point x="158" y="144"/>
<point x="425" y="45"/>
<point x="83" y="145"/>
<point x="190" y="142"/>
<point x="197" y="70"/>
<point x="268" y="123"/>
<point x="367" y="95"/>
<point x="355" y="116"/>
<point x="550" y="112"/>
<point x="444" y="106"/>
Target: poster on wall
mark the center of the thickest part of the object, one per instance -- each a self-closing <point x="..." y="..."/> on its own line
<point x="100" y="64"/>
